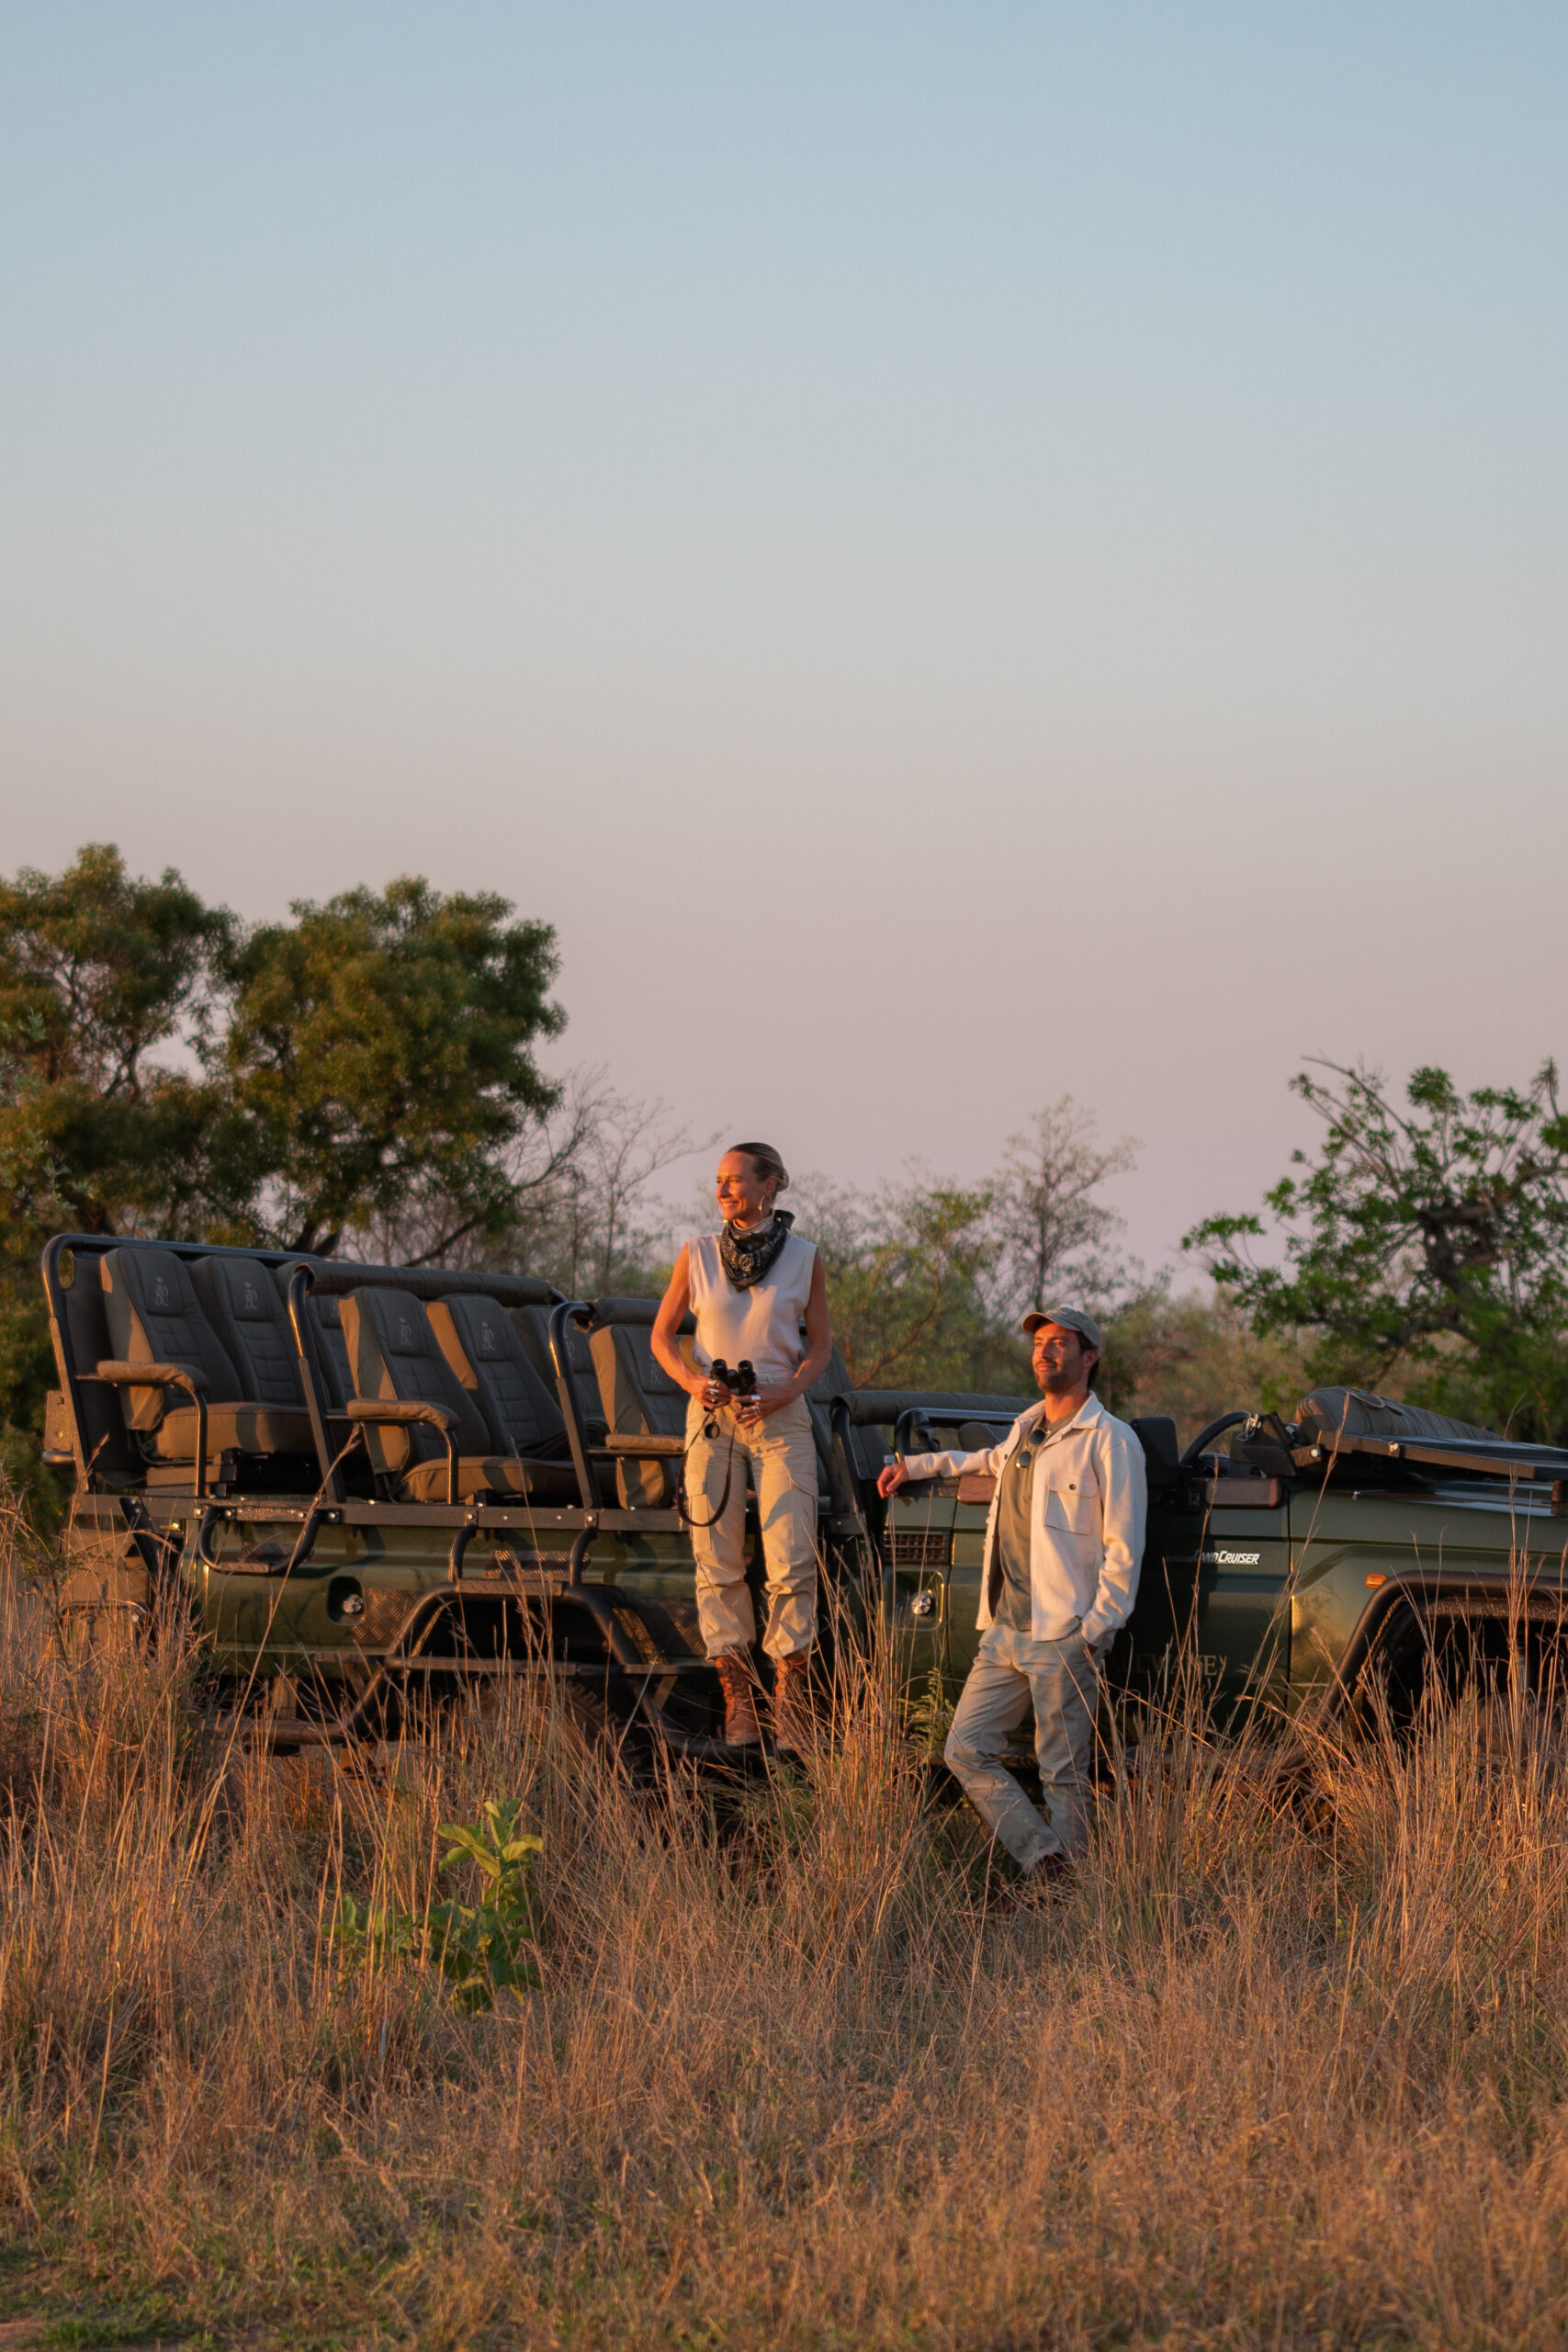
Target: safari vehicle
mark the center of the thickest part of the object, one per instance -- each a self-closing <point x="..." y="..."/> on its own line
<point x="1366" y="1546"/>
<point x="376" y="1489"/>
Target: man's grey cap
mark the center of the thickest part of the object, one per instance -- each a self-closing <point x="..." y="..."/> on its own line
<point x="1071" y="1319"/>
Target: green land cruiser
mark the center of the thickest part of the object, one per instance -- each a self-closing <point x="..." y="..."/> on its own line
<point x="380" y="1487"/>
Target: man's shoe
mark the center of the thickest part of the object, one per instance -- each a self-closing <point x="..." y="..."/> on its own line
<point x="741" y="1728"/>
<point x="1041" y="1885"/>
<point x="795" y="1724"/>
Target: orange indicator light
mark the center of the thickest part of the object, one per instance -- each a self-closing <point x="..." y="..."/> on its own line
<point x="1376" y="1578"/>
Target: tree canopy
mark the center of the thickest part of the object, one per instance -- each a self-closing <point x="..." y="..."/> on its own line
<point x="1427" y="1244"/>
<point x="376" y="1044"/>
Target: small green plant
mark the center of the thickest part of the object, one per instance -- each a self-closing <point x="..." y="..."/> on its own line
<point x="479" y="1948"/>
<point x="373" y="1938"/>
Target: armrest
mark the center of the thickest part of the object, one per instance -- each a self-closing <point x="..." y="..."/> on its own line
<point x="120" y="1374"/>
<point x="649" y="1448"/>
<point x="399" y="1410"/>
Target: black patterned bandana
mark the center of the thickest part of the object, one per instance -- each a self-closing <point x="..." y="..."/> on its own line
<point x="748" y="1256"/>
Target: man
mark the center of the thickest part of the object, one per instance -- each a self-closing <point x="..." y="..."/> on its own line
<point x="1062" y="1547"/>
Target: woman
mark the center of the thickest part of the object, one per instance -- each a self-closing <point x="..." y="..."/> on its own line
<point x="751" y="1288"/>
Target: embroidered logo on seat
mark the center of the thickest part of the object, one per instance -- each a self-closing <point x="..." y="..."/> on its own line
<point x="253" y="1299"/>
<point x="405" y="1331"/>
<point x="160" y="1291"/>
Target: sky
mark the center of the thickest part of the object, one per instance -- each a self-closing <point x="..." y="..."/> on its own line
<point x="958" y="555"/>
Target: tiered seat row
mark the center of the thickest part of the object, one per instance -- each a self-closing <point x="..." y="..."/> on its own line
<point x="206" y="1342"/>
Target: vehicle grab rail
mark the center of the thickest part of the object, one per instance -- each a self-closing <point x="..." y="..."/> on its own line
<point x="301" y="1283"/>
<point x="921" y="1419"/>
<point x="1205" y="1438"/>
<point x="577" y="1311"/>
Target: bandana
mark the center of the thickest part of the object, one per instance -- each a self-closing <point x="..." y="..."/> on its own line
<point x="748" y="1256"/>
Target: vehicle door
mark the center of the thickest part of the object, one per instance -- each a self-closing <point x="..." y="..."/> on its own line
<point x="1213" y="1596"/>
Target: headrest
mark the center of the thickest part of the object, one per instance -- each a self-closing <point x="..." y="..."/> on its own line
<point x="401" y="1323"/>
<point x="623" y="1310"/>
<point x="486" y="1331"/>
<point x="247" y="1288"/>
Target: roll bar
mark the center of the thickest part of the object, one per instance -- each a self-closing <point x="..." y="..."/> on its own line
<point x="924" y="1417"/>
<point x="301" y="1283"/>
<point x="577" y="1311"/>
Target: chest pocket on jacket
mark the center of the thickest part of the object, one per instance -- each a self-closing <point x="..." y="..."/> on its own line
<point x="1072" y="1507"/>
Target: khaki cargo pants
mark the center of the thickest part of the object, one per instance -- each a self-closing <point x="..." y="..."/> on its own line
<point x="779" y="1462"/>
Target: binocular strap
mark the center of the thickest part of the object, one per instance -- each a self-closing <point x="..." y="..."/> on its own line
<point x="682" y="1500"/>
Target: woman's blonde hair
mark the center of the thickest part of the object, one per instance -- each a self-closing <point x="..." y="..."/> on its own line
<point x="766" y="1162"/>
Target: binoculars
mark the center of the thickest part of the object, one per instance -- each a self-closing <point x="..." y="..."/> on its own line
<point x="741" y="1382"/>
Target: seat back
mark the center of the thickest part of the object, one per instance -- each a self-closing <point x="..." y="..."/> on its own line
<point x="154" y="1317"/>
<point x="242" y="1305"/>
<point x="636" y="1394"/>
<point x="532" y="1324"/>
<point x="107" y="1444"/>
<point x="392" y="1351"/>
<point x="332" y="1349"/>
<point x="488" y="1360"/>
<point x="325" y="1312"/>
<point x="867" y="1452"/>
<point x="1162" y="1460"/>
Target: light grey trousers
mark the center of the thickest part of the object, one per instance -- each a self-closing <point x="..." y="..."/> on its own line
<point x="1063" y="1682"/>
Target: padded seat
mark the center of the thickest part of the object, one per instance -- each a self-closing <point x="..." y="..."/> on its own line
<point x="394" y="1355"/>
<point x="243" y="1305"/>
<point x="639" y="1397"/>
<point x="155" y="1316"/>
<point x="532" y="1324"/>
<point x="487" y="1358"/>
<point x="489" y="1474"/>
<point x="241" y="1428"/>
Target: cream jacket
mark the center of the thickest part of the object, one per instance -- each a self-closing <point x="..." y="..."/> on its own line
<point x="1088" y="1506"/>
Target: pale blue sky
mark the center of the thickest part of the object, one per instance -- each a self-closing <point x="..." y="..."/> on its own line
<point x="955" y="553"/>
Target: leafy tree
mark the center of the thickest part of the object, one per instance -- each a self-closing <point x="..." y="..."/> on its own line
<point x="381" y="1043"/>
<point x="1194" y="1358"/>
<point x="97" y="970"/>
<point x="1049" y="1229"/>
<point x="1426" y="1246"/>
<point x="906" y="1271"/>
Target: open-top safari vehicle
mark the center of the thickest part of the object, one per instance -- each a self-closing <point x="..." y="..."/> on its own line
<point x="378" y="1488"/>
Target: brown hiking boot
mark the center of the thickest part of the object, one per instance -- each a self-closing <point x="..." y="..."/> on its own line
<point x="795" y="1724"/>
<point x="741" y="1728"/>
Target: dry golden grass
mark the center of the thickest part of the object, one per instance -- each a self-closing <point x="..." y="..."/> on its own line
<point x="1262" y="2078"/>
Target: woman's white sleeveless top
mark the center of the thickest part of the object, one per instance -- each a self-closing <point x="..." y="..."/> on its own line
<point x="761" y="1325"/>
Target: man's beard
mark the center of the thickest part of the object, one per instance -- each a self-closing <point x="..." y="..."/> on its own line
<point x="1061" y="1382"/>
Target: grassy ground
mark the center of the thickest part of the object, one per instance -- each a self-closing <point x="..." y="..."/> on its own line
<point x="1259" y="2078"/>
